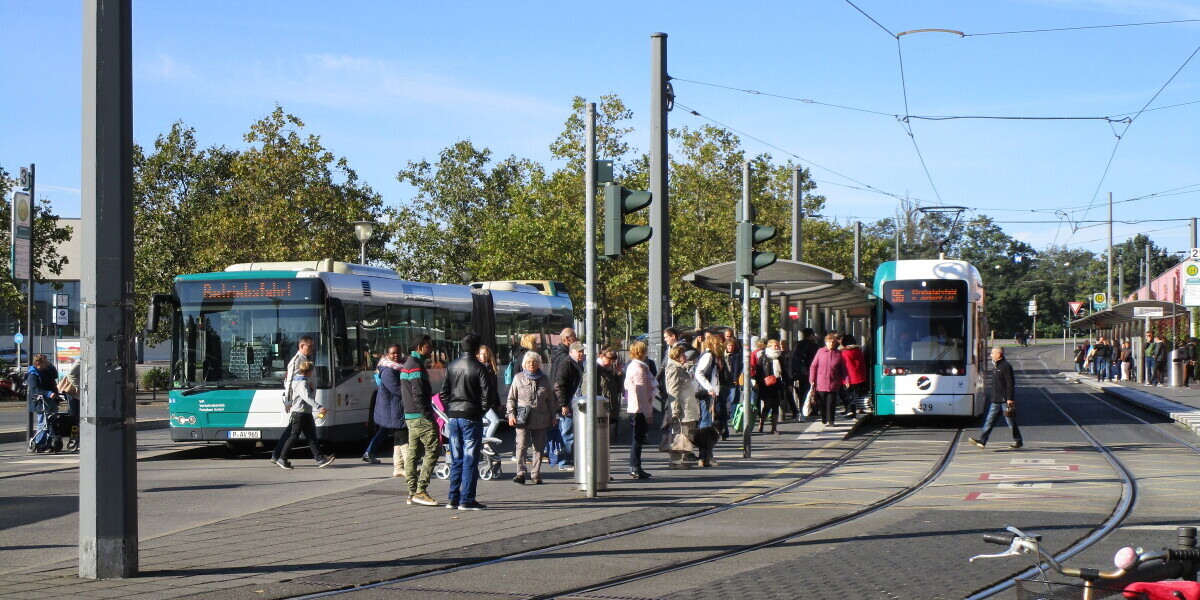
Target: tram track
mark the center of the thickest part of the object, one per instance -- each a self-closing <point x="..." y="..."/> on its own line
<point x="788" y="537"/>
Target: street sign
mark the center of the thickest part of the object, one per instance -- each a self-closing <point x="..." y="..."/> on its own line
<point x="1033" y="305"/>
<point x="1147" y="311"/>
<point x="61" y="316"/>
<point x="794" y="312"/>
<point x="21" y="232"/>
<point x="1075" y="307"/>
<point x="18" y="338"/>
<point x="1031" y="312"/>
<point x="25" y="178"/>
<point x="1100" y="301"/>
<point x="1191" y="281"/>
<point x="62" y="300"/>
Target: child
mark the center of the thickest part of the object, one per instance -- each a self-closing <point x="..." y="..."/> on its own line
<point x="304" y="402"/>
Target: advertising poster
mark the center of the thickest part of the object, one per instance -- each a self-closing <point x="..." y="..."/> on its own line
<point x="66" y="352"/>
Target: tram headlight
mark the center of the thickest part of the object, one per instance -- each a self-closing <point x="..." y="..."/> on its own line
<point x="895" y="371"/>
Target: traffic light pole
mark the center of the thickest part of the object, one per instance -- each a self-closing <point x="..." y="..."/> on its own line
<point x="660" y="215"/>
<point x="747" y="282"/>
<point x="591" y="461"/>
<point x="108" y="503"/>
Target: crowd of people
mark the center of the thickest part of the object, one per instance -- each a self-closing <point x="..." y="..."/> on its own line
<point x="696" y="386"/>
<point x="1115" y="360"/>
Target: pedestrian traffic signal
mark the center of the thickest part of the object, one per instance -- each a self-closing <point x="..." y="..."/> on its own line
<point x="749" y="235"/>
<point x="619" y="202"/>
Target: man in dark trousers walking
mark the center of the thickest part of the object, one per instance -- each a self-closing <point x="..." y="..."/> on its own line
<point x="464" y="392"/>
<point x="1003" y="401"/>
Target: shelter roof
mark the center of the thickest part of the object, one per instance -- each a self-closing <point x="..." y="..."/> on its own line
<point x="795" y="280"/>
<point x="1124" y="313"/>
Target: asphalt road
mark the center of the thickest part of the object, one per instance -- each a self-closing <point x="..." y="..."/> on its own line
<point x="13" y="415"/>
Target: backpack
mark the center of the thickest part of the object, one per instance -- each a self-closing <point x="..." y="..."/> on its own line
<point x="510" y="372"/>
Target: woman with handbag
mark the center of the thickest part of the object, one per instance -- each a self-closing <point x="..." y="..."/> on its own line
<point x="828" y="376"/>
<point x="769" y="377"/>
<point x="641" y="387"/>
<point x="684" y="409"/>
<point x="530" y="413"/>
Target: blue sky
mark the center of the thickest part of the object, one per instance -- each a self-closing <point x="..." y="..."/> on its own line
<point x="384" y="83"/>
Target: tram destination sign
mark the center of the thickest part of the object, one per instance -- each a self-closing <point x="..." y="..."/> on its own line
<point x="924" y="294"/>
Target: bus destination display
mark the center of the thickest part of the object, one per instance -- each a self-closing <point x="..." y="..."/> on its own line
<point x="924" y="294"/>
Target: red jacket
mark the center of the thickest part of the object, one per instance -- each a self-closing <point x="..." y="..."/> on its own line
<point x="856" y="365"/>
<point x="828" y="370"/>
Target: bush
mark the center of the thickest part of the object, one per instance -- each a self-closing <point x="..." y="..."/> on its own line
<point x="157" y="378"/>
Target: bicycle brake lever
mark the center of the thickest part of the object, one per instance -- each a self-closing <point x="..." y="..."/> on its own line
<point x="1009" y="552"/>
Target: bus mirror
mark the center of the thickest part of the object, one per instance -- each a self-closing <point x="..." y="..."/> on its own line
<point x="154" y="315"/>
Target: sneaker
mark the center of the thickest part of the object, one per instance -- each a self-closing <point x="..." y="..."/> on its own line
<point x="513" y="459"/>
<point x="519" y="478"/>
<point x="452" y="505"/>
<point x="977" y="443"/>
<point x="471" y="506"/>
<point x="325" y="462"/>
<point x="424" y="499"/>
<point x="283" y="464"/>
<point x="1016" y="445"/>
<point x="409" y="501"/>
<point x="367" y="458"/>
<point x="537" y="481"/>
<point x="567" y="468"/>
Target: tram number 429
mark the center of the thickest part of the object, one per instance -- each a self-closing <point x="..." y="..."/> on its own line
<point x="925" y="407"/>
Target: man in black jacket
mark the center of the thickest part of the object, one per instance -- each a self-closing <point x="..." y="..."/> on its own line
<point x="1003" y="401"/>
<point x="802" y="357"/>
<point x="568" y="375"/>
<point x="464" y="393"/>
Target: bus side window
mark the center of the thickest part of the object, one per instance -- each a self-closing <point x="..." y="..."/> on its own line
<point x="375" y="333"/>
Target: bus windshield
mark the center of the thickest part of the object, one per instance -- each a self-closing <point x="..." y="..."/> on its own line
<point x="242" y="333"/>
<point x="924" y="322"/>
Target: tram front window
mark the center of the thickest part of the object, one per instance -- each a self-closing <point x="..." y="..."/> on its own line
<point x="241" y="333"/>
<point x="924" y="323"/>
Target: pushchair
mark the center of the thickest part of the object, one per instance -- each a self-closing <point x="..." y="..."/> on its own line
<point x="490" y="464"/>
<point x="57" y="427"/>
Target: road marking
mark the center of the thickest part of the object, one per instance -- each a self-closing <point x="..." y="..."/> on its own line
<point x="1010" y="496"/>
<point x="1044" y="467"/>
<point x="1005" y="476"/>
<point x="46" y="461"/>
<point x="1032" y="461"/>
<point x="1024" y="486"/>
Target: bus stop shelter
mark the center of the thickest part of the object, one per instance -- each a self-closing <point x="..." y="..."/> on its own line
<point x="824" y="300"/>
<point x="1131" y="320"/>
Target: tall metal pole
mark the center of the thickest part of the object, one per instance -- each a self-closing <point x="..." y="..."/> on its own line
<point x="108" y="526"/>
<point x="897" y="239"/>
<point x="797" y="217"/>
<point x="764" y="313"/>
<point x="27" y="340"/>
<point x="660" y="214"/>
<point x="1108" y="280"/>
<point x="592" y="460"/>
<point x="747" y="421"/>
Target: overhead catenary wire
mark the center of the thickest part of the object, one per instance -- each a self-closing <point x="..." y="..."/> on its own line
<point x="1079" y="28"/>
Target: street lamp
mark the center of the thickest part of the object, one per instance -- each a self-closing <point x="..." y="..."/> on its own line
<point x="362" y="231"/>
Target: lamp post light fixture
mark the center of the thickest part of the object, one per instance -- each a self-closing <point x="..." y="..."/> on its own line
<point x="363" y="231"/>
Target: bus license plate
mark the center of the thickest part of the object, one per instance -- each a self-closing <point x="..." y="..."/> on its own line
<point x="245" y="435"/>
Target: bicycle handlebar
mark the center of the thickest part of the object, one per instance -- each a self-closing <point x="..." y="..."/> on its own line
<point x="1144" y="566"/>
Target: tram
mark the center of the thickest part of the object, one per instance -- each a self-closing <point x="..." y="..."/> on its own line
<point x="930" y="355"/>
<point x="233" y="333"/>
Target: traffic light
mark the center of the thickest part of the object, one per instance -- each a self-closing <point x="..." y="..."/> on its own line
<point x="749" y="235"/>
<point x="619" y="202"/>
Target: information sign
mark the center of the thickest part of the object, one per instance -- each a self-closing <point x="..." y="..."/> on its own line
<point x="1191" y="281"/>
<point x="1100" y="301"/>
<point x="18" y="338"/>
<point x="20" y="257"/>
<point x="1147" y="311"/>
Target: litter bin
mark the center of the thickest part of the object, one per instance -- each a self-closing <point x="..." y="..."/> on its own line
<point x="1176" y="366"/>
<point x="583" y="439"/>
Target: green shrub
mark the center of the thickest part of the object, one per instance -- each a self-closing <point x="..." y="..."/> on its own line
<point x="157" y="378"/>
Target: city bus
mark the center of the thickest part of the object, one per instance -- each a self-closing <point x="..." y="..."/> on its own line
<point x="931" y="339"/>
<point x="233" y="333"/>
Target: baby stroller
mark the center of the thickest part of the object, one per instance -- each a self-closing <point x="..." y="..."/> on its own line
<point x="56" y="427"/>
<point x="489" y="460"/>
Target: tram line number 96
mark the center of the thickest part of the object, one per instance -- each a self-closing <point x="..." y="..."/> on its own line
<point x="925" y="407"/>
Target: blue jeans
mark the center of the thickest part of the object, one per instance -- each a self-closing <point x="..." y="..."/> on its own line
<point x="378" y="440"/>
<point x="41" y="435"/>
<point x="464" y="437"/>
<point x="554" y="444"/>
<point x="1079" y="368"/>
<point x="1148" y="369"/>
<point x="1101" y="369"/>
<point x="566" y="431"/>
<point x="990" y="421"/>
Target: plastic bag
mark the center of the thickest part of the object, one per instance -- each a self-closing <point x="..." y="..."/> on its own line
<point x="810" y="401"/>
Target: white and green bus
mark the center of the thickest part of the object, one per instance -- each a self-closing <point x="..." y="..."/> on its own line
<point x="233" y="333"/>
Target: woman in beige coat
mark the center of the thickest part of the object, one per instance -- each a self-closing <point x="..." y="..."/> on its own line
<point x="530" y="390"/>
<point x="684" y="407"/>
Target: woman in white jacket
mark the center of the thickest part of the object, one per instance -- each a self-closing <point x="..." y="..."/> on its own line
<point x="304" y="402"/>
<point x="640" y="389"/>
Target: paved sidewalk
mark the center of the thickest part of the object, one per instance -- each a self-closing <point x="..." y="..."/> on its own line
<point x="347" y="539"/>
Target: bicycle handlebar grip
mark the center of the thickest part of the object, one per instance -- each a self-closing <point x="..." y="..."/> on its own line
<point x="1002" y="539"/>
